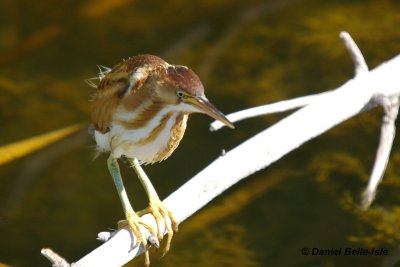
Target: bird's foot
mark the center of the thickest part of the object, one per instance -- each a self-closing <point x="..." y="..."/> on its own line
<point x="162" y="214"/>
<point x="134" y="222"/>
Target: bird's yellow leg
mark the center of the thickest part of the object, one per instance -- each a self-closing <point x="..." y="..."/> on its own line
<point x="156" y="207"/>
<point x="132" y="219"/>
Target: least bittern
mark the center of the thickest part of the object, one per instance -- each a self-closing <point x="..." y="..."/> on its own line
<point x="139" y="110"/>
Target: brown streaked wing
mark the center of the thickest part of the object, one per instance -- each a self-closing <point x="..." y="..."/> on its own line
<point x="111" y="90"/>
<point x="107" y="98"/>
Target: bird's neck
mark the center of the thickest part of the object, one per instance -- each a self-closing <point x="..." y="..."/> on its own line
<point x="176" y="133"/>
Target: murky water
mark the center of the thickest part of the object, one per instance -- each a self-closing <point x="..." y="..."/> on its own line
<point x="247" y="53"/>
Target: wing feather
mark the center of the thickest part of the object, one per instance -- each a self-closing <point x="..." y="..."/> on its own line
<point x="118" y="84"/>
<point x="107" y="98"/>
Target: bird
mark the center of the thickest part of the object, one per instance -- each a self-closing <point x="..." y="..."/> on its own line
<point x="139" y="112"/>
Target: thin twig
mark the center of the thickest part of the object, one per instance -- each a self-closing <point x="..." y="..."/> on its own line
<point x="388" y="130"/>
<point x="55" y="259"/>
<point x="360" y="66"/>
<point x="276" y="107"/>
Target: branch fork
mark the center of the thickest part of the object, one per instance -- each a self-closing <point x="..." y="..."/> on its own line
<point x="389" y="103"/>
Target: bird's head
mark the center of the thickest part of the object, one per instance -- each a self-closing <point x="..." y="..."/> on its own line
<point x="188" y="92"/>
<point x="147" y="78"/>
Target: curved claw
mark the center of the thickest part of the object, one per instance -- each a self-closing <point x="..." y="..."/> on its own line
<point x="134" y="222"/>
<point x="161" y="213"/>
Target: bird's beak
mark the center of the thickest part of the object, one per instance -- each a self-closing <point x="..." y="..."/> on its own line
<point x="206" y="107"/>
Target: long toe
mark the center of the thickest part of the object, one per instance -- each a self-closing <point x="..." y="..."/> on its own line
<point x="135" y="223"/>
<point x="163" y="214"/>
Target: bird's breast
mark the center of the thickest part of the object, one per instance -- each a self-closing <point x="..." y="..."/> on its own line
<point x="149" y="142"/>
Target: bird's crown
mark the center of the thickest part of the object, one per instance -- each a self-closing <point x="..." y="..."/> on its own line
<point x="136" y="70"/>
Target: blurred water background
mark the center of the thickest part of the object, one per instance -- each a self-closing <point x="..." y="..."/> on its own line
<point x="247" y="53"/>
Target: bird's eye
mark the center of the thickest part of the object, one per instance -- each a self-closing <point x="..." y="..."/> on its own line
<point x="181" y="94"/>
